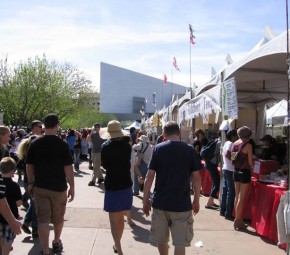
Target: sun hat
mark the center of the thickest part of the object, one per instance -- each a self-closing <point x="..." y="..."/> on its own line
<point x="144" y="138"/>
<point x="113" y="130"/>
<point x="244" y="132"/>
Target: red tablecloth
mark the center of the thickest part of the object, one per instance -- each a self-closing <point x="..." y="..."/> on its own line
<point x="206" y="182"/>
<point x="273" y="235"/>
<point x="264" y="208"/>
<point x="261" y="205"/>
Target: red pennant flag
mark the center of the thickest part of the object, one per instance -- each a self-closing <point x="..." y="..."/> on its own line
<point x="164" y="79"/>
<point x="175" y="64"/>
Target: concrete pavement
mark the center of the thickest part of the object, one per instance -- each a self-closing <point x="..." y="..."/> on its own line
<point x="87" y="229"/>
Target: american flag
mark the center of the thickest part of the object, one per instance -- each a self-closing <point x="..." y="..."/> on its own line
<point x="191" y="37"/>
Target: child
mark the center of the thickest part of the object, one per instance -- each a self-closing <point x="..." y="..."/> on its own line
<point x="14" y="199"/>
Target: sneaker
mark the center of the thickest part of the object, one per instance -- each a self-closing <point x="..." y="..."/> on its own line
<point x="57" y="247"/>
<point x="91" y="183"/>
<point x="26" y="229"/>
<point x="100" y="181"/>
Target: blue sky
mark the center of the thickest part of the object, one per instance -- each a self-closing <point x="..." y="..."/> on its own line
<point x="137" y="35"/>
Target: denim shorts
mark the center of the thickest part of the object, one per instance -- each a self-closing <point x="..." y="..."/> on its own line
<point x="180" y="225"/>
<point x="6" y="233"/>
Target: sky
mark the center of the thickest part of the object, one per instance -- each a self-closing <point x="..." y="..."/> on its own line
<point x="141" y="36"/>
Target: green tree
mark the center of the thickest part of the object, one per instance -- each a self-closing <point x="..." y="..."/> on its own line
<point x="37" y="87"/>
<point x="86" y="118"/>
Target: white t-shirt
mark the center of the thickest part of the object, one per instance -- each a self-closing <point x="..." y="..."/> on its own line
<point x="227" y="163"/>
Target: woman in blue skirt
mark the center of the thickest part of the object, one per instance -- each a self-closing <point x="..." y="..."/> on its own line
<point x="115" y="158"/>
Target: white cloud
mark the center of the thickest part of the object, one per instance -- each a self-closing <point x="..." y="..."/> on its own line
<point x="140" y="36"/>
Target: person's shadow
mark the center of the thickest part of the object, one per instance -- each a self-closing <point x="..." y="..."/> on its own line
<point x="140" y="234"/>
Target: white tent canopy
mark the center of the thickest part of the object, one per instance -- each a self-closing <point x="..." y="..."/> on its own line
<point x="135" y="124"/>
<point x="261" y="75"/>
<point x="277" y="113"/>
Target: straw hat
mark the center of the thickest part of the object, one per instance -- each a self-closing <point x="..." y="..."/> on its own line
<point x="113" y="130"/>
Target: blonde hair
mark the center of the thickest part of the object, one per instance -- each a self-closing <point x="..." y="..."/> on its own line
<point x="7" y="164"/>
<point x="23" y="147"/>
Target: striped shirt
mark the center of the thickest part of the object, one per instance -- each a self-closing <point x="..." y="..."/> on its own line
<point x="2" y="188"/>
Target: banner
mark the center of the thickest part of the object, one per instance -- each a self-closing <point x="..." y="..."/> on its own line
<point x="230" y="99"/>
<point x="202" y="105"/>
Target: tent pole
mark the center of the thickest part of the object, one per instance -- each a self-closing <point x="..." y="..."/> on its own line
<point x="288" y="105"/>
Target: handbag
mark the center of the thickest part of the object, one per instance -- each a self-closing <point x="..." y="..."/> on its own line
<point x="236" y="158"/>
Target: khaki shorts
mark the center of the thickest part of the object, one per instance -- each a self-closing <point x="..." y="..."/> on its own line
<point x="180" y="224"/>
<point x="50" y="205"/>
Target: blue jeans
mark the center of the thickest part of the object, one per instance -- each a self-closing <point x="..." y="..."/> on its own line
<point x="228" y="196"/>
<point x="143" y="168"/>
<point x="77" y="153"/>
<point x="30" y="216"/>
<point x="215" y="178"/>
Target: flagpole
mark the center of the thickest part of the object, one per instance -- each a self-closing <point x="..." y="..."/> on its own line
<point x="162" y="94"/>
<point x="190" y="64"/>
<point x="171" y="81"/>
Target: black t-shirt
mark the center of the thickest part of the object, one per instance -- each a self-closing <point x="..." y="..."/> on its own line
<point x="78" y="144"/>
<point x="49" y="154"/>
<point x="13" y="194"/>
<point x="2" y="187"/>
<point x="173" y="162"/>
<point x="115" y="157"/>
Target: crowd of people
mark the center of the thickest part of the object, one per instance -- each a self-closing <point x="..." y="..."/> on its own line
<point x="127" y="164"/>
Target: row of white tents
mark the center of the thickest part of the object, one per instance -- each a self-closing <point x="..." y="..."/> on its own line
<point x="261" y="78"/>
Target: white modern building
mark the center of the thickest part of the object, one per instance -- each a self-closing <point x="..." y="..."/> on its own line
<point x="125" y="93"/>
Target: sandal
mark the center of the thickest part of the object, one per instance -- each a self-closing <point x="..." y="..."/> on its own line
<point x="211" y="207"/>
<point x="57" y="247"/>
<point x="239" y="225"/>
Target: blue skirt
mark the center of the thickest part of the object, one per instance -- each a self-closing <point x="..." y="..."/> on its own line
<point x="118" y="200"/>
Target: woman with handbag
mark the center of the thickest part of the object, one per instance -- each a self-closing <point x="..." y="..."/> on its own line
<point x="242" y="174"/>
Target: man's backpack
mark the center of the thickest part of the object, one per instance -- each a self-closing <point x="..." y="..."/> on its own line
<point x="207" y="151"/>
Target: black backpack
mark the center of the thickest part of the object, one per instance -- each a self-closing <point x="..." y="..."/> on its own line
<point x="207" y="151"/>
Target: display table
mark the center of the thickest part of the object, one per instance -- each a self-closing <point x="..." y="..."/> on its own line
<point x="206" y="182"/>
<point x="264" y="208"/>
<point x="264" y="167"/>
<point x="261" y="204"/>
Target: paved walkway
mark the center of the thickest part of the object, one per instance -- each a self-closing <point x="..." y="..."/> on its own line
<point x="87" y="230"/>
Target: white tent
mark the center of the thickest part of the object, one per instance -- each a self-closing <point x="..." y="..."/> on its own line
<point x="277" y="113"/>
<point x="135" y="124"/>
<point x="261" y="77"/>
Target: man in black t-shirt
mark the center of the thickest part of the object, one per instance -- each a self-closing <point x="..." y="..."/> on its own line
<point x="49" y="168"/>
<point x="175" y="164"/>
